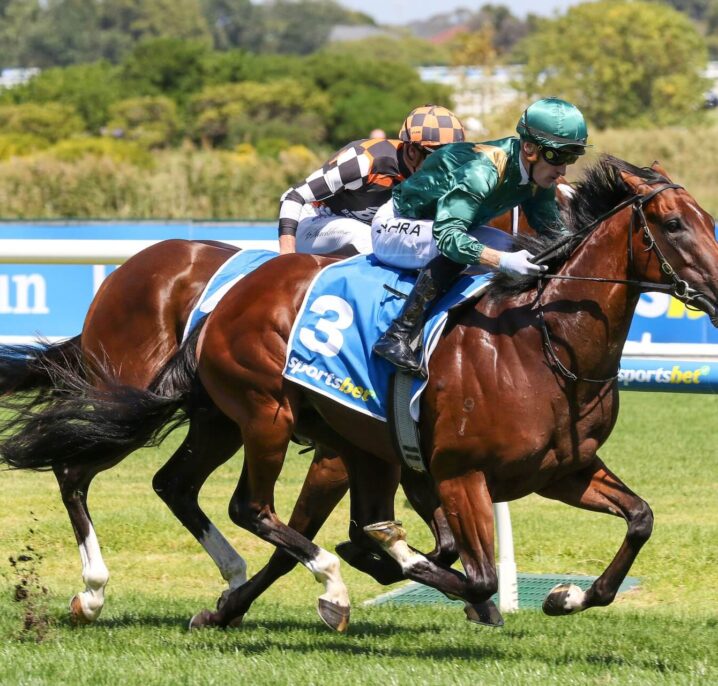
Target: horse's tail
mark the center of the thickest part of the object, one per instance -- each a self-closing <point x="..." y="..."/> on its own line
<point x="34" y="367"/>
<point x="83" y="424"/>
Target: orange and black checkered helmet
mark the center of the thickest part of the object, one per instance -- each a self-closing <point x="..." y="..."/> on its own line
<point x="431" y="126"/>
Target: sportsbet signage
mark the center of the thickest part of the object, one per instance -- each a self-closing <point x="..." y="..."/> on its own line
<point x="669" y="347"/>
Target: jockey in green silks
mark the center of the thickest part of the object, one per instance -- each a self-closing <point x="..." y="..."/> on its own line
<point x="435" y="220"/>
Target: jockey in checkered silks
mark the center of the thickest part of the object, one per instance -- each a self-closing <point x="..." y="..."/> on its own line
<point x="332" y="209"/>
<point x="436" y="220"/>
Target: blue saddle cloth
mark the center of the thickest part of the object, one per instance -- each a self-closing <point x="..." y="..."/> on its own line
<point x="348" y="306"/>
<point x="224" y="278"/>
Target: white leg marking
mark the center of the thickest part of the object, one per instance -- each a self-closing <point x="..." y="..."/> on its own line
<point x="95" y="575"/>
<point x="404" y="555"/>
<point x="575" y="599"/>
<point x="325" y="567"/>
<point x="392" y="538"/>
<point x="231" y="564"/>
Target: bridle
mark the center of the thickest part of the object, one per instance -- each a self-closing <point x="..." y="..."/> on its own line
<point x="678" y="287"/>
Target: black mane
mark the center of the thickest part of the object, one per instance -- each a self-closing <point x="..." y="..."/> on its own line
<point x="599" y="190"/>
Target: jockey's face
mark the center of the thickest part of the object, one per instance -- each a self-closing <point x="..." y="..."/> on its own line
<point x="414" y="156"/>
<point x="544" y="174"/>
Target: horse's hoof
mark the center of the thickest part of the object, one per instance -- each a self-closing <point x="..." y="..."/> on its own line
<point x="485" y="613"/>
<point x="236" y="622"/>
<point x="201" y="620"/>
<point x="334" y="616"/>
<point x="563" y="599"/>
<point x="77" y="612"/>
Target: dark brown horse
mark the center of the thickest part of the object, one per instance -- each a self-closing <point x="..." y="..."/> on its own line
<point x="151" y="296"/>
<point x="554" y="347"/>
<point x="134" y="326"/>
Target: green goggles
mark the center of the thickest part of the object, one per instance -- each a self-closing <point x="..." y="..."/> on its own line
<point x="558" y="158"/>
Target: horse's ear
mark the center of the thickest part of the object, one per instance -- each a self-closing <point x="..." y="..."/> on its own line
<point x="657" y="167"/>
<point x="631" y="180"/>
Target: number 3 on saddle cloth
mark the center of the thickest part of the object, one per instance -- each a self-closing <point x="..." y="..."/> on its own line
<point x="349" y="304"/>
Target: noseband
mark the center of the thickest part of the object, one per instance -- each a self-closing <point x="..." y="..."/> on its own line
<point x="678" y="287"/>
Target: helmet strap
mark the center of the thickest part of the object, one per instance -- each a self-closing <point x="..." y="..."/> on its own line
<point x="531" y="158"/>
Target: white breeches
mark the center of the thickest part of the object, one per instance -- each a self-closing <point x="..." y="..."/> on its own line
<point x="409" y="243"/>
<point x="322" y="233"/>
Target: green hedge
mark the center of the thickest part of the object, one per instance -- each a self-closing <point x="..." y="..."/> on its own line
<point x="100" y="177"/>
<point x="107" y="179"/>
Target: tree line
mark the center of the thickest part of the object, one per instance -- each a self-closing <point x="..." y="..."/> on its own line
<point x="626" y="64"/>
<point x="47" y="33"/>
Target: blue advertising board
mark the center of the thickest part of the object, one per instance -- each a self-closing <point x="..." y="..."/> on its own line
<point x="669" y="347"/>
<point x="51" y="300"/>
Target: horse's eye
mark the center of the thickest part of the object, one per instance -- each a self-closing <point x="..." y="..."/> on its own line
<point x="673" y="225"/>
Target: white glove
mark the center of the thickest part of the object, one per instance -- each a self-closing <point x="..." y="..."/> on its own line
<point x="517" y="264"/>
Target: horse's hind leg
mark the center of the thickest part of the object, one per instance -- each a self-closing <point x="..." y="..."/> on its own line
<point x="596" y="488"/>
<point x="211" y="440"/>
<point x="74" y="483"/>
<point x="325" y="485"/>
<point x="252" y="507"/>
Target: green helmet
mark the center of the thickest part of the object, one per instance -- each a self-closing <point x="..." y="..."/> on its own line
<point x="554" y="123"/>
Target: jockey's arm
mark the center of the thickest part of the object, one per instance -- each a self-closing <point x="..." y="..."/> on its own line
<point x="457" y="210"/>
<point x="349" y="169"/>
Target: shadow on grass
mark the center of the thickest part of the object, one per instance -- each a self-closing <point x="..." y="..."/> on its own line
<point x="627" y="643"/>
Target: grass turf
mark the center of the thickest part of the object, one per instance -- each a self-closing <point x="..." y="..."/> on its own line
<point x="664" y="447"/>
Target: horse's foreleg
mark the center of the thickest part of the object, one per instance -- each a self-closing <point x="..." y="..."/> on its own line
<point x="420" y="489"/>
<point x="421" y="492"/>
<point x="74" y="483"/>
<point x="211" y="440"/>
<point x="599" y="490"/>
<point x="468" y="508"/>
<point x="325" y="485"/>
<point x="474" y="590"/>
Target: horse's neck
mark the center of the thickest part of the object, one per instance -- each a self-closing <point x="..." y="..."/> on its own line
<point x="593" y="318"/>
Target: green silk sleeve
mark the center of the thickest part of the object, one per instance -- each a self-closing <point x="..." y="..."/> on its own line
<point x="457" y="210"/>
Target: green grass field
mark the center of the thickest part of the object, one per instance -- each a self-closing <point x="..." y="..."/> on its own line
<point x="665" y="632"/>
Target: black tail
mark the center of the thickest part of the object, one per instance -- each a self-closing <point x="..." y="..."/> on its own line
<point x="32" y="367"/>
<point x="81" y="424"/>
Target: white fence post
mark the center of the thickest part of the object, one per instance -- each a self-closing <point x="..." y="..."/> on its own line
<point x="506" y="567"/>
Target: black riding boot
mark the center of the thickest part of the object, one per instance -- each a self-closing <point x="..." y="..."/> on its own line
<point x="395" y="345"/>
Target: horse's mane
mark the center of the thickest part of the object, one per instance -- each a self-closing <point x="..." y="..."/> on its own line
<point x="599" y="190"/>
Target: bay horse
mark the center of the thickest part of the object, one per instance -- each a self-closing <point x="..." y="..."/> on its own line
<point x="549" y="349"/>
<point x="151" y="295"/>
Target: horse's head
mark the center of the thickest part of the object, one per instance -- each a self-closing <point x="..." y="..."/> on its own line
<point x="673" y="240"/>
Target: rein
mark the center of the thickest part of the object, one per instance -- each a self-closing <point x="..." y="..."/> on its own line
<point x="678" y="287"/>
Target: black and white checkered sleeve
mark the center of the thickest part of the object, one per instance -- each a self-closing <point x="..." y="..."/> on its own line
<point x="349" y="170"/>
